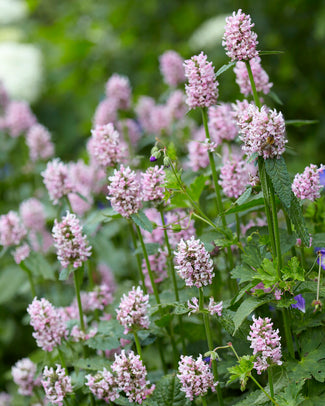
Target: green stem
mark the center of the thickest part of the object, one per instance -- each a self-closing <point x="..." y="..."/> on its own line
<point x="303" y="259"/>
<point x="288" y="334"/>
<point x="134" y="240"/>
<point x="25" y="268"/>
<point x="92" y="399"/>
<point x="276" y="231"/>
<point x="270" y="376"/>
<point x="90" y="275"/>
<point x="69" y="204"/>
<point x="319" y="275"/>
<point x="77" y="288"/>
<point x="289" y="229"/>
<point x="265" y="393"/>
<point x="62" y="360"/>
<point x="210" y="344"/>
<point x="154" y="287"/>
<point x="137" y="343"/>
<point x="204" y="402"/>
<point x="237" y="227"/>
<point x="251" y="79"/>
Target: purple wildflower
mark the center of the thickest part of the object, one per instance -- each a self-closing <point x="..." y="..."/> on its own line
<point x="72" y="247"/>
<point x="193" y="305"/>
<point x="307" y="184"/>
<point x="195" y="376"/>
<point x="194" y="264"/>
<point x="265" y="343"/>
<point x="49" y="328"/>
<point x="56" y="384"/>
<point x="261" y="78"/>
<point x="202" y="87"/>
<point x="158" y="265"/>
<point x="171" y="67"/>
<point x="103" y="385"/>
<point x="124" y="191"/>
<point x="239" y="40"/>
<point x="23" y="373"/>
<point x="300" y="303"/>
<point x="133" y="310"/>
<point x="131" y="377"/>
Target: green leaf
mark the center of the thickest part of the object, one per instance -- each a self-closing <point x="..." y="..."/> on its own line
<point x="64" y="274"/>
<point x="275" y="97"/>
<point x="142" y="221"/>
<point x="243" y="272"/>
<point x="196" y="188"/>
<point x="277" y="170"/>
<point x="319" y="240"/>
<point x="103" y="342"/>
<point x="267" y="273"/>
<point x="122" y="401"/>
<point x="245" y="309"/>
<point x="11" y="279"/>
<point x="243" y="198"/>
<point x="299" y="123"/>
<point x="39" y="266"/>
<point x="168" y="392"/>
<point x="296" y="216"/>
<point x="151" y="247"/>
<point x="242" y="370"/>
<point x="91" y="363"/>
<point x="255" y="202"/>
<point x="293" y="270"/>
<point x="291" y="395"/>
<point x="224" y="68"/>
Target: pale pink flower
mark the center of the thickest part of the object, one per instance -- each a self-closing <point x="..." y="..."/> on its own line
<point x="72" y="247"/>
<point x="261" y="78"/>
<point x="129" y="130"/>
<point x="194" y="264"/>
<point x="23" y="373"/>
<point x="215" y="308"/>
<point x="118" y="89"/>
<point x="21" y="253"/>
<point x="38" y="140"/>
<point x="171" y="68"/>
<point x="176" y="105"/>
<point x="56" y="384"/>
<point x="103" y="385"/>
<point x="198" y="151"/>
<point x="12" y="231"/>
<point x="5" y="399"/>
<point x="144" y="109"/>
<point x="239" y="40"/>
<point x="124" y="191"/>
<point x="79" y="335"/>
<point x="132" y="312"/>
<point x="57" y="180"/>
<point x="33" y="214"/>
<point x="265" y="343"/>
<point x="153" y="180"/>
<point x="131" y="377"/>
<point x="222" y="124"/>
<point x="307" y="185"/>
<point x="107" y="276"/>
<point x="157" y="235"/>
<point x="195" y="376"/>
<point x="18" y="118"/>
<point x="262" y="131"/>
<point x="183" y="226"/>
<point x="49" y="328"/>
<point x="193" y="304"/>
<point x="202" y="87"/>
<point x="106" y="112"/>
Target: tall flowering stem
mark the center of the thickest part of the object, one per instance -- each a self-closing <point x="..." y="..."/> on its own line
<point x="210" y="344"/>
<point x="137" y="343"/>
<point x="77" y="288"/>
<point x="270" y="377"/>
<point x="25" y="268"/>
<point x="145" y="254"/>
<point x="134" y="240"/>
<point x="271" y="215"/>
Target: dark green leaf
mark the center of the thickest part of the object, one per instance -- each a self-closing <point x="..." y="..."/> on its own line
<point x="299" y="123"/>
<point x="246" y="206"/>
<point x="245" y="309"/>
<point x="243" y="198"/>
<point x="224" y="68"/>
<point x="196" y="188"/>
<point x="277" y="170"/>
<point x="319" y="240"/>
<point x="168" y="393"/>
<point x="243" y="272"/>
<point x="291" y="395"/>
<point x="142" y="221"/>
<point x="296" y="216"/>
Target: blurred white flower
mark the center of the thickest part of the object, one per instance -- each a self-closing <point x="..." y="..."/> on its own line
<point x="12" y="11"/>
<point x="21" y="70"/>
<point x="209" y="34"/>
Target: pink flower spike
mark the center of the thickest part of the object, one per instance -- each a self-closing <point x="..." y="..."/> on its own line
<point x="171" y="67"/>
<point x="12" y="231"/>
<point x="202" y="87"/>
<point x="215" y="308"/>
<point x="103" y="385"/>
<point x="118" y="89"/>
<point x="18" y="118"/>
<point x="153" y="181"/>
<point x="23" y="373"/>
<point x="38" y="140"/>
<point x="261" y="78"/>
<point x="307" y="185"/>
<point x="239" y="40"/>
<point x="56" y="384"/>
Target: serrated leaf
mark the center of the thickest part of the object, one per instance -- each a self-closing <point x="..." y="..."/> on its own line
<point x="142" y="221"/>
<point x="243" y="198"/>
<point x="242" y="370"/>
<point x="277" y="170"/>
<point x="224" y="68"/>
<point x="243" y="272"/>
<point x="267" y="273"/>
<point x="103" y="342"/>
<point x="291" y="395"/>
<point x="296" y="216"/>
<point x="293" y="270"/>
<point x="299" y="123"/>
<point x="245" y="309"/>
<point x="168" y="392"/>
<point x="195" y="189"/>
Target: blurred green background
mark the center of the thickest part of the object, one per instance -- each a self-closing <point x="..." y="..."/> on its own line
<point x="83" y="42"/>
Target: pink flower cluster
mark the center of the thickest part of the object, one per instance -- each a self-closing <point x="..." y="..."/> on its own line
<point x="195" y="376"/>
<point x="72" y="247"/>
<point x="12" y="231"/>
<point x="18" y="118"/>
<point x="261" y="78"/>
<point x="38" y="140"/>
<point x="202" y="87"/>
<point x="47" y="323"/>
<point x="222" y="125"/>
<point x="239" y="40"/>
<point x="171" y="67"/>
<point x="213" y="307"/>
<point x="131" y="376"/>
<point x="124" y="191"/>
<point x="153" y="184"/>
<point x="307" y="185"/>
<point x="23" y="373"/>
<point x="198" y="150"/>
<point x="56" y="384"/>
<point x="194" y="264"/>
<point x="57" y="180"/>
<point x="118" y="90"/>
<point x="105" y="147"/>
<point x="129" y="129"/>
<point x="265" y="343"/>
<point x="103" y="385"/>
<point x="106" y="112"/>
<point x="158" y="265"/>
<point x="262" y="131"/>
<point x="21" y="253"/>
<point x="234" y="176"/>
<point x="132" y="312"/>
<point x="32" y="214"/>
